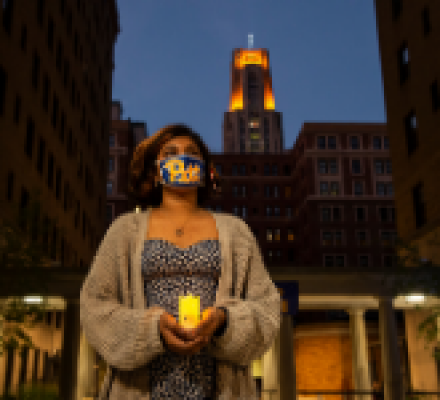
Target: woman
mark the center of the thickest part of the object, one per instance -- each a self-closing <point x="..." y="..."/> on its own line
<point x="147" y="260"/>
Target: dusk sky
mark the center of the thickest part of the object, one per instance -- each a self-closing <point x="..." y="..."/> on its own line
<point x="172" y="61"/>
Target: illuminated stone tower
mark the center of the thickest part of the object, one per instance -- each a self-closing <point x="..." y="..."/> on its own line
<point x="251" y="125"/>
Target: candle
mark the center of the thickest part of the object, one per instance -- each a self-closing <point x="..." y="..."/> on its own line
<point x="189" y="311"/>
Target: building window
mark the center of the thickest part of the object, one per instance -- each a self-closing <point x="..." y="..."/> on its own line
<point x="3" y="81"/>
<point x="30" y="134"/>
<point x="338" y="238"/>
<point x="340" y="261"/>
<point x="277" y="235"/>
<point x="235" y="210"/>
<point x="287" y="192"/>
<point x="334" y="188"/>
<point x="354" y="143"/>
<point x="7" y="15"/>
<point x="321" y="142"/>
<point x="244" y="211"/>
<point x="363" y="261"/>
<point x="255" y="190"/>
<point x="358" y="189"/>
<point x="268" y="211"/>
<point x="435" y="96"/>
<point x="333" y="166"/>
<point x="392" y="214"/>
<point x="385" y="238"/>
<point x="332" y="142"/>
<point x="266" y="170"/>
<point x="277" y="211"/>
<point x="426" y="21"/>
<point x="380" y="189"/>
<point x="58" y="183"/>
<point x="403" y="60"/>
<point x="35" y="70"/>
<point x="322" y="166"/>
<point x="50" y="168"/>
<point x="289" y="212"/>
<point x="327" y="238"/>
<point x="336" y="214"/>
<point x="243" y="191"/>
<point x="266" y="191"/>
<point x="377" y="143"/>
<point x="389" y="189"/>
<point x="325" y="214"/>
<point x="386" y="143"/>
<point x="218" y="168"/>
<point x="287" y="170"/>
<point x="323" y="188"/>
<point x="388" y="166"/>
<point x="17" y="109"/>
<point x="290" y="235"/>
<point x="328" y="261"/>
<point x="361" y="238"/>
<point x="360" y="214"/>
<point x="379" y="168"/>
<point x="235" y="191"/>
<point x="109" y="187"/>
<point x="355" y="166"/>
<point x="234" y="170"/>
<point x="41" y="154"/>
<point x="10" y="185"/>
<point x="269" y="235"/>
<point x="111" y="140"/>
<point x="383" y="214"/>
<point x="218" y="208"/>
<point x="396" y="8"/>
<point x="275" y="191"/>
<point x="111" y="164"/>
<point x="274" y="170"/>
<point x="411" y="132"/>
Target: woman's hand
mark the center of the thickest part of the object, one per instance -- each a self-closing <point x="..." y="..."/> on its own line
<point x="213" y="318"/>
<point x="178" y="339"/>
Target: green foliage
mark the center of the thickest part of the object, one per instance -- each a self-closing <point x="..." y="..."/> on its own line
<point x="403" y="281"/>
<point x="19" y="248"/>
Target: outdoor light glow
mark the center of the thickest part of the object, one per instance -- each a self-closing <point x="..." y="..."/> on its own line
<point x="138" y="209"/>
<point x="33" y="299"/>
<point x="415" y="298"/>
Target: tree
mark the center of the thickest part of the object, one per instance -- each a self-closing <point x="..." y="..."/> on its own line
<point x="20" y="247"/>
<point x="427" y="281"/>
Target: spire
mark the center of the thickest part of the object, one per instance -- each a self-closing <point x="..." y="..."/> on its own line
<point x="250" y="40"/>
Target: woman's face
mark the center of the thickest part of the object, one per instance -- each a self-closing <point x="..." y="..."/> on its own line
<point x="178" y="146"/>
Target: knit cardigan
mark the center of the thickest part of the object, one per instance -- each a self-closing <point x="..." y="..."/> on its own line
<point x="125" y="332"/>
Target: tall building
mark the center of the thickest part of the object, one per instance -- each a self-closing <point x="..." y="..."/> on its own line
<point x="408" y="41"/>
<point x="124" y="137"/>
<point x="251" y="125"/>
<point x="56" y="65"/>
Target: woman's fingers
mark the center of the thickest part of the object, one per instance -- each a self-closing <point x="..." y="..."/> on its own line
<point x="182" y="347"/>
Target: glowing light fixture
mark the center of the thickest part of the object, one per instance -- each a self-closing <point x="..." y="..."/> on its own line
<point x="415" y="298"/>
<point x="33" y="299"/>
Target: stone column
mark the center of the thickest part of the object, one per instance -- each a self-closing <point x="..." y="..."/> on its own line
<point x="287" y="368"/>
<point x="86" y="371"/>
<point x="70" y="351"/>
<point x="393" y="383"/>
<point x="359" y="353"/>
<point x="271" y="381"/>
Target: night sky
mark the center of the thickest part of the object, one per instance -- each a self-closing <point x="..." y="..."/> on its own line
<point x="172" y="61"/>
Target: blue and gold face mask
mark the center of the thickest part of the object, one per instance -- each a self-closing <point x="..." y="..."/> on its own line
<point x="182" y="171"/>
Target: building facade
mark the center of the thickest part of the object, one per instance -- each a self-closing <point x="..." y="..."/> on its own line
<point x="251" y="125"/>
<point x="408" y="40"/>
<point x="56" y="70"/>
<point x="124" y="137"/>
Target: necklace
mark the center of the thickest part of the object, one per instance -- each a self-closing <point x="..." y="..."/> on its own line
<point x="180" y="231"/>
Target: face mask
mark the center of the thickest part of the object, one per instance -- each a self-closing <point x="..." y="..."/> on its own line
<point x="182" y="171"/>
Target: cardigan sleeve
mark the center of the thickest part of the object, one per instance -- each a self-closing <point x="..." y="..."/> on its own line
<point x="253" y="322"/>
<point x="126" y="338"/>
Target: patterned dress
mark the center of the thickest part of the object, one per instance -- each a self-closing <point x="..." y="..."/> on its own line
<point x="169" y="271"/>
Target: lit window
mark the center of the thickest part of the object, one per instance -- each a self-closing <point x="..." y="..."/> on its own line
<point x="269" y="235"/>
<point x="277" y="234"/>
<point x="327" y="238"/>
<point x="334" y="188"/>
<point x="290" y="235"/>
<point x="287" y="191"/>
<point x="323" y="188"/>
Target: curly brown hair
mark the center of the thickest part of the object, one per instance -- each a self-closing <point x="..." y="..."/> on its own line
<point x="143" y="169"/>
